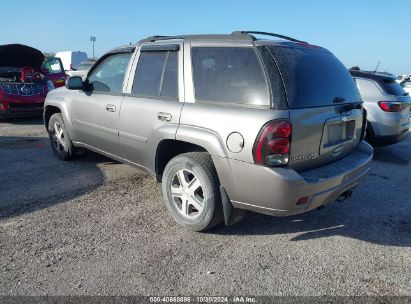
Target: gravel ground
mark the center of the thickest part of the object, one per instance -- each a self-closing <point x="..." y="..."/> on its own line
<point x="93" y="226"/>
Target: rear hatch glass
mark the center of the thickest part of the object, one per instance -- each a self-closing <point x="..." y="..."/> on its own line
<point x="392" y="87"/>
<point x="324" y="104"/>
<point x="313" y="77"/>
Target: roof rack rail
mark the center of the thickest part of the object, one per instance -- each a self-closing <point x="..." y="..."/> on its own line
<point x="266" y="34"/>
<point x="157" y="38"/>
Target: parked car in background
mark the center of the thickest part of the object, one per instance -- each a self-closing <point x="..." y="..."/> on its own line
<point x="81" y="69"/>
<point x="71" y="59"/>
<point x="53" y="68"/>
<point x="405" y="82"/>
<point x="23" y="83"/>
<point x="387" y="105"/>
<point x="270" y="126"/>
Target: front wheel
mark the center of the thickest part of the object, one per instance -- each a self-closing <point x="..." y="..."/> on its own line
<point x="59" y="139"/>
<point x="191" y="191"/>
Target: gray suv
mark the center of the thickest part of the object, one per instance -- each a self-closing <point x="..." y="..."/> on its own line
<point x="387" y="106"/>
<point x="227" y="123"/>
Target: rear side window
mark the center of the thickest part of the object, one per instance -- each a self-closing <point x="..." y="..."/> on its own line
<point x="229" y="75"/>
<point x="313" y="77"/>
<point x="156" y="75"/>
<point x="392" y="87"/>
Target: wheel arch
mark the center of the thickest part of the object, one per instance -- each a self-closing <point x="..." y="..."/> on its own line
<point x="188" y="139"/>
<point x="48" y="112"/>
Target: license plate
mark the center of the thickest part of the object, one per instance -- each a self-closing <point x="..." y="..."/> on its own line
<point x="340" y="132"/>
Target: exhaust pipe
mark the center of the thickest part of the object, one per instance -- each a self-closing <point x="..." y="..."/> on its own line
<point x="345" y="195"/>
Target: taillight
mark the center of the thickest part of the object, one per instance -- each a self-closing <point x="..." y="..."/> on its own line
<point x="272" y="147"/>
<point x="71" y="66"/>
<point x="390" y="106"/>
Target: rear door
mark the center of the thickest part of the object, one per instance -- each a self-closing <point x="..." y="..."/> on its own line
<point x="151" y="110"/>
<point x="324" y="104"/>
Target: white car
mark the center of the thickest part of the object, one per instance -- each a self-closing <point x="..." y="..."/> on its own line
<point x="70" y="59"/>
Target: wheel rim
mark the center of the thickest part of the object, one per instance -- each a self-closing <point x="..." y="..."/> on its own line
<point x="59" y="140"/>
<point x="187" y="193"/>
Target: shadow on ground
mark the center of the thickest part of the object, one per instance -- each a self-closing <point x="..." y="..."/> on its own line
<point x="31" y="178"/>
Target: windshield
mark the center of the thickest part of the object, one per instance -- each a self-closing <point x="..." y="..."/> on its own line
<point x="314" y="77"/>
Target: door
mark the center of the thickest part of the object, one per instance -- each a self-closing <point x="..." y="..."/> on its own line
<point x="151" y="110"/>
<point x="95" y="110"/>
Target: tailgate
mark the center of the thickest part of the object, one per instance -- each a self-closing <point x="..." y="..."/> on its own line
<point x="323" y="134"/>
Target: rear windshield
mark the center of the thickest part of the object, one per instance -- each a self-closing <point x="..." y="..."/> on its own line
<point x="314" y="77"/>
<point x="392" y="87"/>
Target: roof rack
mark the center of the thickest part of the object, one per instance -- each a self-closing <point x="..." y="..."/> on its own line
<point x="266" y="34"/>
<point x="157" y="38"/>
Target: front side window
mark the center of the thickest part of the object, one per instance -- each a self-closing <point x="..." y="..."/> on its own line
<point x="108" y="76"/>
<point x="157" y="75"/>
<point x="231" y="75"/>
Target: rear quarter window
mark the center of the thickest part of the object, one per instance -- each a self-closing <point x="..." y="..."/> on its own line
<point x="313" y="77"/>
<point x="229" y="75"/>
<point x="368" y="88"/>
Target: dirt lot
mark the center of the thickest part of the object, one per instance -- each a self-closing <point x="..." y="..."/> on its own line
<point x="97" y="227"/>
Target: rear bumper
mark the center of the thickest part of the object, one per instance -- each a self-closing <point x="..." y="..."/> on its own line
<point x="275" y="191"/>
<point x="389" y="139"/>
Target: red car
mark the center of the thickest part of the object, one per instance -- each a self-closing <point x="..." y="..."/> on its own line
<point x="25" y="80"/>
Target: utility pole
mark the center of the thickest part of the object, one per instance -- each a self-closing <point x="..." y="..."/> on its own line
<point x="93" y="40"/>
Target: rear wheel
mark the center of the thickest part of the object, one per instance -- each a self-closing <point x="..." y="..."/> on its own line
<point x="59" y="139"/>
<point x="191" y="191"/>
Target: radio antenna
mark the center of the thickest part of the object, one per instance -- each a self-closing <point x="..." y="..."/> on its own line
<point x="376" y="68"/>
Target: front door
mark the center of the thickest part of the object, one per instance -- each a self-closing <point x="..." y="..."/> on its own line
<point x="95" y="111"/>
<point x="53" y="69"/>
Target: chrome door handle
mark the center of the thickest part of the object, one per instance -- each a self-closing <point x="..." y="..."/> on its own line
<point x="111" y="108"/>
<point x="164" y="116"/>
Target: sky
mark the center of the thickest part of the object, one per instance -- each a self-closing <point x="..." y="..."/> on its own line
<point x="358" y="32"/>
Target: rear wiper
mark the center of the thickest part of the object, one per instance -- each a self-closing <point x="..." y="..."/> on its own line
<point x="338" y="100"/>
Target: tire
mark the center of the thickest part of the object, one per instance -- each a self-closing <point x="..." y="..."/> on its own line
<point x="59" y="139"/>
<point x="199" y="189"/>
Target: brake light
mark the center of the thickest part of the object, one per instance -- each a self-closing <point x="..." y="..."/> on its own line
<point x="390" y="106"/>
<point x="71" y="66"/>
<point x="272" y="147"/>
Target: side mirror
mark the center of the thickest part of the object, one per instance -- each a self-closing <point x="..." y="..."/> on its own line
<point x="75" y="83"/>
